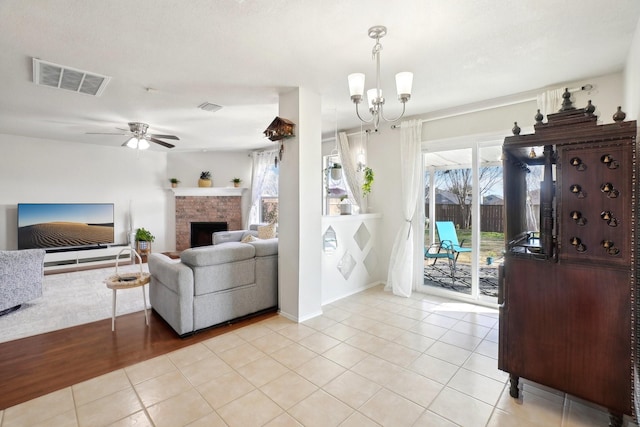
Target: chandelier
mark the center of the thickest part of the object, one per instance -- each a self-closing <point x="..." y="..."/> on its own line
<point x="404" y="80"/>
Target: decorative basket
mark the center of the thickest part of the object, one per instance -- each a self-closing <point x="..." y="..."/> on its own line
<point x="128" y="280"/>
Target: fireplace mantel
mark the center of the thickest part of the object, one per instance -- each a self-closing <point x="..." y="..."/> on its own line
<point x="207" y="191"/>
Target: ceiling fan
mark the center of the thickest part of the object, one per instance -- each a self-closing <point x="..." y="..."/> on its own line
<point x="139" y="138"/>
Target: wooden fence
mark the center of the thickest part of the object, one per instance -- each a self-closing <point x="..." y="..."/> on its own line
<point x="491" y="216"/>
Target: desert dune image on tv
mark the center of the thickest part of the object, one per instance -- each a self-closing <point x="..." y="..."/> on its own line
<point x="64" y="225"/>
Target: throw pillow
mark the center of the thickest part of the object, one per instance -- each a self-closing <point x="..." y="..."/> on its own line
<point x="249" y="238"/>
<point x="267" y="231"/>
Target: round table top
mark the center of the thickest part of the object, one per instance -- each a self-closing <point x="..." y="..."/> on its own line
<point x="127" y="280"/>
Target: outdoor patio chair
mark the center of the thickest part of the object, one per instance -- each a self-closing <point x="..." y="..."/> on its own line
<point x="449" y="240"/>
<point x="437" y="251"/>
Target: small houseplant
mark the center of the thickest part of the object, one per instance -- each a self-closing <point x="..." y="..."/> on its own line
<point x="345" y="206"/>
<point x="174" y="182"/>
<point x="205" y="179"/>
<point x="236" y="182"/>
<point x="368" y="181"/>
<point x="143" y="240"/>
<point x="336" y="171"/>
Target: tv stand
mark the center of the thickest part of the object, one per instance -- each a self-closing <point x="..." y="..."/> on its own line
<point x="75" y="249"/>
<point x="62" y="261"/>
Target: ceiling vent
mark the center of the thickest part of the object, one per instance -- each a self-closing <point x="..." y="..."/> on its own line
<point x="207" y="106"/>
<point x="59" y="76"/>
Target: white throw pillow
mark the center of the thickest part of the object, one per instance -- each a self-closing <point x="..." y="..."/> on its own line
<point x="267" y="231"/>
<point x="249" y="238"/>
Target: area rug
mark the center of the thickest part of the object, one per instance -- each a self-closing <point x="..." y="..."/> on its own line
<point x="439" y="275"/>
<point x="71" y="299"/>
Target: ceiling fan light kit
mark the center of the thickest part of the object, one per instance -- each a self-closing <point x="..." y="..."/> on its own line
<point x="375" y="100"/>
<point x="137" y="143"/>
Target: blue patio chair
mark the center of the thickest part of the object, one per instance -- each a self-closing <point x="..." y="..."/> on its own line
<point x="449" y="240"/>
<point x="448" y="247"/>
<point x="438" y="251"/>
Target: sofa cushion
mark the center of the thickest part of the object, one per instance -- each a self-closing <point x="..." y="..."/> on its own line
<point x="224" y="277"/>
<point x="265" y="247"/>
<point x="219" y="237"/>
<point x="217" y="254"/>
<point x="248" y="238"/>
<point x="267" y="231"/>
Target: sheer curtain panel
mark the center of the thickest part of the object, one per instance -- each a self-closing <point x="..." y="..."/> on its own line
<point x="549" y="102"/>
<point x="400" y="277"/>
<point x="353" y="177"/>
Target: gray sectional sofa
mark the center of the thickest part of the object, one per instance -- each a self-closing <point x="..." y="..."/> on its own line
<point x="210" y="285"/>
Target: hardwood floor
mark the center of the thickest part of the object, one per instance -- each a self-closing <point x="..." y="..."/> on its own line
<point x="34" y="366"/>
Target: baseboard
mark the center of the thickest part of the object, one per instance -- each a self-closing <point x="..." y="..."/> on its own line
<point x="353" y="292"/>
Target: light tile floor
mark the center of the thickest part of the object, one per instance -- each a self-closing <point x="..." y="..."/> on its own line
<point x="371" y="359"/>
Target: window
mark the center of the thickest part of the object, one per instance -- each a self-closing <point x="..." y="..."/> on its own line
<point x="264" y="190"/>
<point x="269" y="196"/>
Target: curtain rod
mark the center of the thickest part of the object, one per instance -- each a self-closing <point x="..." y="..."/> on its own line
<point x="505" y="104"/>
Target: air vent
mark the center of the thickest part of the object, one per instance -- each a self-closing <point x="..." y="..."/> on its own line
<point x="207" y="106"/>
<point x="59" y="76"/>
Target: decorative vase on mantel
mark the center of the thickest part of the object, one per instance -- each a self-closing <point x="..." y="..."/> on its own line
<point x="205" y="179"/>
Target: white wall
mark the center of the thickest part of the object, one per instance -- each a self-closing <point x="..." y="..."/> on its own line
<point x="223" y="165"/>
<point x="44" y="171"/>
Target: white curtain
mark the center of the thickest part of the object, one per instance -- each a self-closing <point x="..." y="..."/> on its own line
<point x="400" y="277"/>
<point x="349" y="169"/>
<point x="549" y="102"/>
<point x="261" y="162"/>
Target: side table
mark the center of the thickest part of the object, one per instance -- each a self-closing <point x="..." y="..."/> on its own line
<point x="127" y="281"/>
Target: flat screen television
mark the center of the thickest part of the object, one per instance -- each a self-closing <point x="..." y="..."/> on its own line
<point x="65" y="225"/>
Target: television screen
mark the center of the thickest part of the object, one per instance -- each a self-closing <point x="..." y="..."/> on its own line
<point x="64" y="225"/>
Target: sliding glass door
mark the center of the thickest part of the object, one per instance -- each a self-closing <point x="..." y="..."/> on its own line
<point x="463" y="237"/>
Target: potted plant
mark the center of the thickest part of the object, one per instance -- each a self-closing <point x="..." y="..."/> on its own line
<point x="143" y="240"/>
<point x="345" y="206"/>
<point x="368" y="180"/>
<point x="205" y="179"/>
<point x="174" y="182"/>
<point x="336" y="171"/>
<point x="236" y="182"/>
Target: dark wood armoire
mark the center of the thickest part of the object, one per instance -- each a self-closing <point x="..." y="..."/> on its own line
<point x="568" y="284"/>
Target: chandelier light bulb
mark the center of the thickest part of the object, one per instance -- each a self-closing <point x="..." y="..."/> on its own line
<point x="356" y="85"/>
<point x="404" y="81"/>
<point x="372" y="96"/>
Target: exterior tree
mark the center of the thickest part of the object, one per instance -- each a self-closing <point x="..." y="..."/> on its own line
<point x="459" y="182"/>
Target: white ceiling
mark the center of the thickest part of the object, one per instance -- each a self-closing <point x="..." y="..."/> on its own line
<point x="166" y="57"/>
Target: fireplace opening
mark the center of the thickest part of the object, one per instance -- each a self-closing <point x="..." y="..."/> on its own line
<point x="201" y="232"/>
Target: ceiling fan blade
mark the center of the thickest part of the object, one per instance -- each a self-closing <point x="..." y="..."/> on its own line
<point x="157" y="141"/>
<point x="164" y="136"/>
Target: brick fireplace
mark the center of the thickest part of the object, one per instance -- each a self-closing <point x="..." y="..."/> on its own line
<point x="205" y="208"/>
